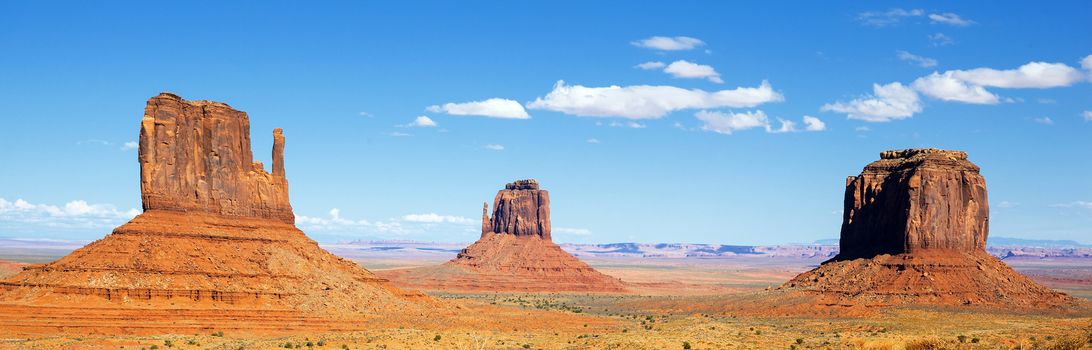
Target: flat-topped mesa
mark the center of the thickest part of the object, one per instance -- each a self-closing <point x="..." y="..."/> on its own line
<point x="520" y="209"/>
<point x="195" y="156"/>
<point x="915" y="200"/>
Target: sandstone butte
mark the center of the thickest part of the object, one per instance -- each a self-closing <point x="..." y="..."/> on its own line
<point x="515" y="253"/>
<point x="914" y="231"/>
<point x="216" y="244"/>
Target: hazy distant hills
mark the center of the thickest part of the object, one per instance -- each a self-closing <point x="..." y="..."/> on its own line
<point x="40" y="250"/>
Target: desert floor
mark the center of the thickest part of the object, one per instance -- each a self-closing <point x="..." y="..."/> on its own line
<point x="652" y="318"/>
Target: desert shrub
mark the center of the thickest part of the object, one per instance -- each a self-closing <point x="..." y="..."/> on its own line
<point x="321" y="343"/>
<point x="800" y="340"/>
<point x="168" y="343"/>
<point x="1064" y="343"/>
<point x="436" y="338"/>
<point x="526" y="346"/>
<point x="310" y="344"/>
<point x="927" y="344"/>
<point x="686" y="345"/>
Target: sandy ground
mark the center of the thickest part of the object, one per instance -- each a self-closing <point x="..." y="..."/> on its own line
<point x="610" y="321"/>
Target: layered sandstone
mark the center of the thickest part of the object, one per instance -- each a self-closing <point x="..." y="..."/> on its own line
<point x="195" y="156"/>
<point x="217" y="233"/>
<point x="914" y="200"/>
<point x="521" y="209"/>
<point x="914" y="232"/>
<point x="515" y="253"/>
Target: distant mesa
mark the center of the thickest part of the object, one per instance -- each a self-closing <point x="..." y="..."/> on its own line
<point x="914" y="232"/>
<point x="217" y="233"/>
<point x="515" y="253"/>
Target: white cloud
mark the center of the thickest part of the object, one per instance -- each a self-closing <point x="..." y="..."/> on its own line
<point x="76" y="214"/>
<point x="1039" y="75"/>
<point x="422" y="122"/>
<point x="647" y="101"/>
<point x="631" y="125"/>
<point x="685" y="69"/>
<point x="593" y="140"/>
<point x="728" y="122"/>
<point x="335" y="223"/>
<point x="923" y="62"/>
<point x="862" y="129"/>
<point x="651" y="65"/>
<point x="397" y="134"/>
<point x="1043" y="120"/>
<point x="1007" y="204"/>
<point x="949" y="19"/>
<point x="94" y="142"/>
<point x="814" y="124"/>
<point x="493" y="108"/>
<point x="1086" y="63"/>
<point x="366" y="114"/>
<point x="887" y="18"/>
<point x="131" y="145"/>
<point x="1087" y="116"/>
<point x="949" y="88"/>
<point x="895" y="101"/>
<point x="888" y="102"/>
<point x="669" y="43"/>
<point x="939" y="39"/>
<point x="1076" y="204"/>
<point x="494" y="147"/>
<point x="437" y="218"/>
<point x="572" y="231"/>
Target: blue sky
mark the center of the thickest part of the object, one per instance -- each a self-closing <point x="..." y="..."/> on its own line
<point x="689" y="145"/>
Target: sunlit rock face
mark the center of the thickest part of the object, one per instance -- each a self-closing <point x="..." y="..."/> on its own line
<point x="915" y="200"/>
<point x="195" y="156"/>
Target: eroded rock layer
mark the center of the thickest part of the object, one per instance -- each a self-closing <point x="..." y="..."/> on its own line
<point x="914" y="232"/>
<point x="217" y="233"/>
<point x="913" y="200"/>
<point x="514" y="254"/>
<point x="195" y="156"/>
<point x="521" y="209"/>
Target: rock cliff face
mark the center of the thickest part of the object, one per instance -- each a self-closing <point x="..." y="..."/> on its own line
<point x="521" y="209"/>
<point x="195" y="156"/>
<point x="915" y="200"/>
<point x="217" y="234"/>
<point x="514" y="254"/>
<point x="914" y="232"/>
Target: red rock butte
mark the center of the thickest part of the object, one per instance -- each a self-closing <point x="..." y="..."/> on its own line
<point x="216" y="245"/>
<point x="515" y="253"/>
<point x="914" y="231"/>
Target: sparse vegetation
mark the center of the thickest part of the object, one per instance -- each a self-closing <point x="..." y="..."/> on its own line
<point x="686" y="345"/>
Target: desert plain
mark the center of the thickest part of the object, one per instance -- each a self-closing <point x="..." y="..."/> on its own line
<point x="679" y="298"/>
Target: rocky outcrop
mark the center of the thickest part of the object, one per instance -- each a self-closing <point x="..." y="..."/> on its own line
<point x="914" y="232"/>
<point x="515" y="253"/>
<point x="217" y="233"/>
<point x="195" y="156"/>
<point x="914" y="200"/>
<point x="521" y="209"/>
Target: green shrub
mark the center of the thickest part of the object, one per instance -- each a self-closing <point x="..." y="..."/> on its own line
<point x="686" y="345"/>
<point x="436" y="338"/>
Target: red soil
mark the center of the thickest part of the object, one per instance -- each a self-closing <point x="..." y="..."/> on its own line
<point x="509" y="263"/>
